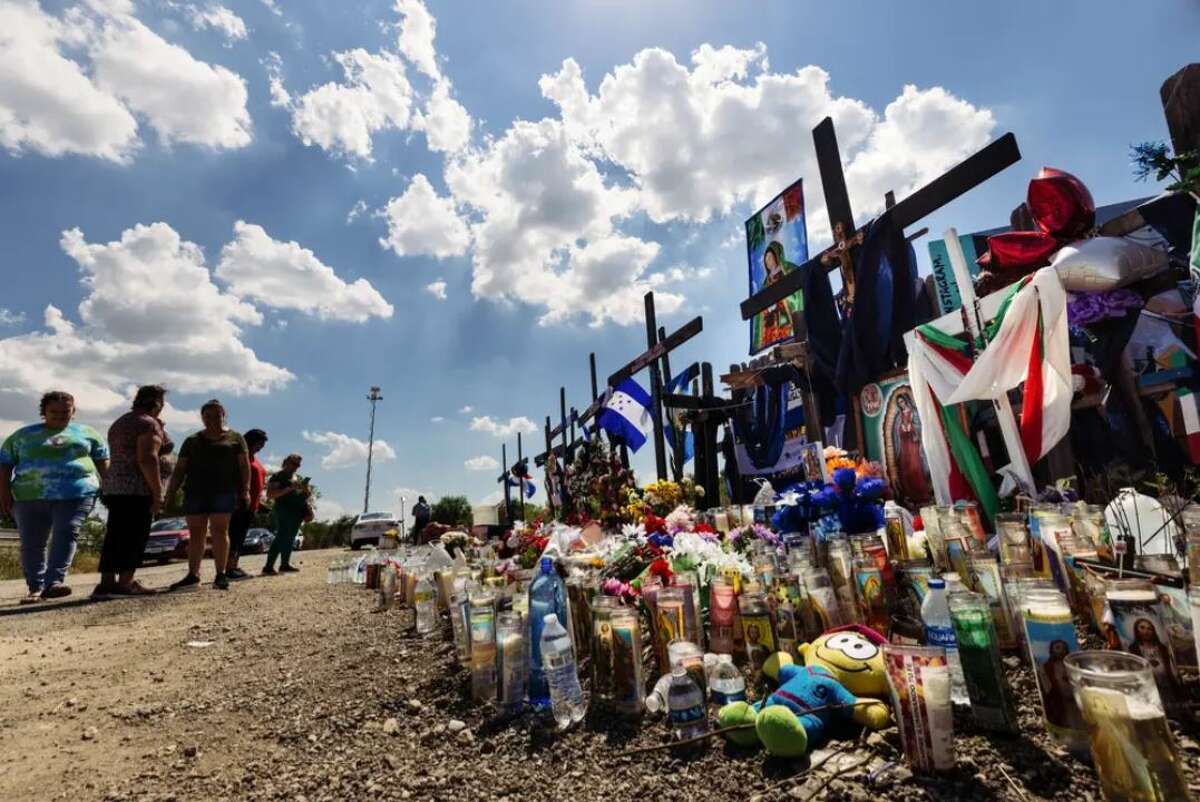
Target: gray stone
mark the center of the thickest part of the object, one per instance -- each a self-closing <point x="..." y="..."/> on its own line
<point x="391" y="727"/>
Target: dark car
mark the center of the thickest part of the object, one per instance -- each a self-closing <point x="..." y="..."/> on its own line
<point x="168" y="538"/>
<point x="257" y="540"/>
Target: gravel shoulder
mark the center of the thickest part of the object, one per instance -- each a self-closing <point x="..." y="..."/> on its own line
<point x="304" y="694"/>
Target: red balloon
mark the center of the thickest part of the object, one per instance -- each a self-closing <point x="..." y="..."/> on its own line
<point x="1061" y="204"/>
<point x="1019" y="250"/>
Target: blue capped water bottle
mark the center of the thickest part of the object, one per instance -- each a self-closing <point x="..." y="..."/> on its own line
<point x="547" y="594"/>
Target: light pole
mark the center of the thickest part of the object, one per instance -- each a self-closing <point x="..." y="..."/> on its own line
<point x="374" y="397"/>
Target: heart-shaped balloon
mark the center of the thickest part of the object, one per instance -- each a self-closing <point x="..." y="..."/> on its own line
<point x="1061" y="205"/>
<point x="1023" y="250"/>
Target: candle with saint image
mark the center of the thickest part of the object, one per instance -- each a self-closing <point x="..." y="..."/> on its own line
<point x="483" y="647"/>
<point x="1050" y="636"/>
<point x="669" y="623"/>
<point x="919" y="681"/>
<point x="1131" y="745"/>
<point x="602" y="648"/>
<point x="823" y="598"/>
<point x="627" y="660"/>
<point x="756" y="628"/>
<point x="1136" y="618"/>
<point x="687" y="582"/>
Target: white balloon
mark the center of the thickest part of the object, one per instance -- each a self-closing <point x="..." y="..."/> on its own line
<point x="1105" y="263"/>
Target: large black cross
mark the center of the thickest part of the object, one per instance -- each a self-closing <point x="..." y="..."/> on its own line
<point x="847" y="237"/>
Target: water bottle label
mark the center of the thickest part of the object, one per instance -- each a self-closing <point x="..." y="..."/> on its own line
<point x="687" y="715"/>
<point x="721" y="699"/>
<point x="940" y="636"/>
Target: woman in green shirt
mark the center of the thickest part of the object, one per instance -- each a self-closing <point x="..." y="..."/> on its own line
<point x="214" y="470"/>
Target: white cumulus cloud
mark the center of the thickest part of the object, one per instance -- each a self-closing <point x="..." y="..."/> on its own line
<point x="417" y="31"/>
<point x="499" y="429"/>
<point x="437" y="289"/>
<point x="422" y="222"/>
<point x="150" y="313"/>
<point x="344" y="451"/>
<point x="287" y="276"/>
<point x="343" y="117"/>
<point x="482" y="463"/>
<point x="218" y="18"/>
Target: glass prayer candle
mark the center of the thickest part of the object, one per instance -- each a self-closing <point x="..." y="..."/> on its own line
<point x="1136" y="617"/>
<point x="602" y="648"/>
<point x="1131" y="745"/>
<point x="979" y="651"/>
<point x="868" y="583"/>
<point x="483" y="647"/>
<point x="823" y="599"/>
<point x="627" y="660"/>
<point x="756" y="629"/>
<point x="1013" y="537"/>
<point x="931" y="518"/>
<point x="919" y="680"/>
<point x="1050" y="635"/>
<point x="669" y="623"/>
<point x="688" y="583"/>
<point x="968" y="513"/>
<point x="512" y="660"/>
<point x="722" y="606"/>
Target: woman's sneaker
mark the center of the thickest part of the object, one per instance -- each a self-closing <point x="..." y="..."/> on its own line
<point x="189" y="581"/>
<point x="56" y="591"/>
<point x="221" y="582"/>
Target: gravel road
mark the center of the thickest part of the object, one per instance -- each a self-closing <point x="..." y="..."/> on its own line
<point x="286" y="688"/>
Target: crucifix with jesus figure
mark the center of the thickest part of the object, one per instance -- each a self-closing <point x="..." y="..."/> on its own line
<point x="845" y="254"/>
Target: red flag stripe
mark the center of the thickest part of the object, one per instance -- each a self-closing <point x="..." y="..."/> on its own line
<point x="1032" y="406"/>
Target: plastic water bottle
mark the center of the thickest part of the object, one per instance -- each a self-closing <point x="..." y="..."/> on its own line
<point x="547" y="595"/>
<point x="558" y="661"/>
<point x="686" y="702"/>
<point x="939" y="631"/>
<point x="727" y="684"/>
<point x="426" y="611"/>
<point x="656" y="700"/>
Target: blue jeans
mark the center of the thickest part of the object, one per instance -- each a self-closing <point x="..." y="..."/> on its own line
<point x="56" y="521"/>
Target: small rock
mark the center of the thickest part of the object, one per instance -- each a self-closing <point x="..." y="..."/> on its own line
<point x="72" y="702"/>
<point x="392" y="761"/>
<point x="191" y="750"/>
<point x="456" y="726"/>
<point x="391" y="727"/>
<point x="414" y="706"/>
<point x="465" y="737"/>
<point x="90" y="733"/>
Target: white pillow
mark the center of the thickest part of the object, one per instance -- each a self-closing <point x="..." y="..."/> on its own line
<point x="1105" y="263"/>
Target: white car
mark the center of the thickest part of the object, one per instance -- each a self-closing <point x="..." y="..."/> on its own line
<point x="369" y="527"/>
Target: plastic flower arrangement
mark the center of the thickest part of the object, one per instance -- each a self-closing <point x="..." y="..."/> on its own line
<point x="801" y="505"/>
<point x="527" y="545"/>
<point x="859" y="502"/>
<point x="598" y="487"/>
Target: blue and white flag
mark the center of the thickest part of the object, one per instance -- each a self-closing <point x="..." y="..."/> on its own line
<point x="527" y="485"/>
<point x="626" y="414"/>
<point x="675" y="423"/>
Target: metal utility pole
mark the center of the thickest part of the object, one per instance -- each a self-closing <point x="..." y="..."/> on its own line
<point x="374" y="397"/>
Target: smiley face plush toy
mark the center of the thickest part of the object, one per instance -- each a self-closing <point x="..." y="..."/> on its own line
<point x="840" y="667"/>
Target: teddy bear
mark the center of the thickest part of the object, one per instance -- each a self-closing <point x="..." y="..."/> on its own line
<point x="840" y="668"/>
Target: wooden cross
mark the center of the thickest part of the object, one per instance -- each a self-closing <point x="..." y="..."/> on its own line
<point x="705" y="412"/>
<point x="656" y="348"/>
<point x="846" y="237"/>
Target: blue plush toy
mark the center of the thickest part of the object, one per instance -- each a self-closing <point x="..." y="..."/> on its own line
<point x="819" y="700"/>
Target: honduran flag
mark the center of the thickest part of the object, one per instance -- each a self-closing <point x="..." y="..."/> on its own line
<point x="626" y="414"/>
<point x="526" y="484"/>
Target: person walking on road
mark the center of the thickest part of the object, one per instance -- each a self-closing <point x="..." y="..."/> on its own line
<point x="50" y="474"/>
<point x="214" y="470"/>
<point x="243" y="516"/>
<point x="421" y="514"/>
<point x="132" y="491"/>
<point x="290" y="494"/>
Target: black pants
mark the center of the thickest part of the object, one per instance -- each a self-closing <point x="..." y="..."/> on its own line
<point x="125" y="536"/>
<point x="239" y="525"/>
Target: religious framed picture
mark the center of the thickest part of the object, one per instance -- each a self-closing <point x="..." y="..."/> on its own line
<point x="812" y="455"/>
<point x="892" y="437"/>
<point x="777" y="244"/>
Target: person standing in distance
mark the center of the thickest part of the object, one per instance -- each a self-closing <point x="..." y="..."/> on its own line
<point x="243" y="517"/>
<point x="50" y="473"/>
<point x="290" y="494"/>
<point x="421" y="515"/>
<point x="214" y="470"/>
<point x="132" y="491"/>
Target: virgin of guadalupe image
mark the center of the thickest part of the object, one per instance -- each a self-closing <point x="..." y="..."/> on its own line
<point x="777" y="321"/>
<point x="903" y="454"/>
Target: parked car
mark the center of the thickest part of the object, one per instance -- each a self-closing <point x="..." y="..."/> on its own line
<point x="257" y="540"/>
<point x="369" y="526"/>
<point x="168" y="538"/>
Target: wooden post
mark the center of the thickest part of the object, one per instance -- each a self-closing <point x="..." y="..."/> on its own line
<point x="592" y="372"/>
<point x="711" y="477"/>
<point x="1180" y="96"/>
<point x="660" y="456"/>
<point x="504" y="479"/>
<point x="521" y="488"/>
<point x="549" y="476"/>
<point x="676" y="458"/>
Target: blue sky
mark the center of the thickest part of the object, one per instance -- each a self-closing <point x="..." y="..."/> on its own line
<point x="570" y="156"/>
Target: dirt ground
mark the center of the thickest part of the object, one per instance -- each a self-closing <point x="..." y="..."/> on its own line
<point x="286" y="688"/>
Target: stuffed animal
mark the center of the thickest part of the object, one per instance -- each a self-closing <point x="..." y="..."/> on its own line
<point x="840" y="667"/>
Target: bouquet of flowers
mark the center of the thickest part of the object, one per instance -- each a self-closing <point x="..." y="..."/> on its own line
<point x="527" y="545"/>
<point x="664" y="496"/>
<point x="598" y="487"/>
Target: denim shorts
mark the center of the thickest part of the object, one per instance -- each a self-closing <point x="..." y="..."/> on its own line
<point x="209" y="503"/>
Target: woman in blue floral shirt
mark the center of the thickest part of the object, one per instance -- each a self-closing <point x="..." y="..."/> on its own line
<point x="49" y="478"/>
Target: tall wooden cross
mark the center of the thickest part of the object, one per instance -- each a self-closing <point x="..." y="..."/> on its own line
<point x="847" y="237"/>
<point x="651" y="358"/>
